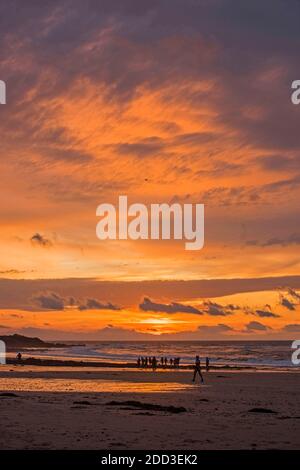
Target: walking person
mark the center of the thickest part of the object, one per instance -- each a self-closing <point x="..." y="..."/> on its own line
<point x="19" y="358"/>
<point x="197" y="369"/>
<point x="207" y="364"/>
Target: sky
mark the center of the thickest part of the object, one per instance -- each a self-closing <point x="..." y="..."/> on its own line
<point x="185" y="101"/>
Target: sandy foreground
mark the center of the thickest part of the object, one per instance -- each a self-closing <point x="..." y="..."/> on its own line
<point x="70" y="408"/>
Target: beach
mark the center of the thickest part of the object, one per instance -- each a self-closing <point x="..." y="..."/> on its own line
<point x="118" y="408"/>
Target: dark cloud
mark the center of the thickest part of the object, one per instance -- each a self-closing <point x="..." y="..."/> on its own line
<point x="215" y="309"/>
<point x="194" y="138"/>
<point x="279" y="162"/>
<point x="15" y="294"/>
<point x="12" y="271"/>
<point x="256" y="326"/>
<point x="285" y="302"/>
<point x="266" y="314"/>
<point x="53" y="301"/>
<point x="232" y="307"/>
<point x="293" y="239"/>
<point x="293" y="293"/>
<point x="147" y="305"/>
<point x="289" y="298"/>
<point x="40" y="240"/>
<point x="148" y="147"/>
<point x="251" y="195"/>
<point x="66" y="154"/>
<point x="94" y="304"/>
<point x="215" y="329"/>
<point x="49" y="301"/>
<point x="154" y="146"/>
<point x="292" y="328"/>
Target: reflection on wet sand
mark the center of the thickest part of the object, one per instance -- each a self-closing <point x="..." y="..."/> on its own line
<point x="62" y="385"/>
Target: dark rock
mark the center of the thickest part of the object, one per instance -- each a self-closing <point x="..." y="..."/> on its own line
<point x="8" y="394"/>
<point x="83" y="402"/>
<point x="147" y="406"/>
<point x="262" y="410"/>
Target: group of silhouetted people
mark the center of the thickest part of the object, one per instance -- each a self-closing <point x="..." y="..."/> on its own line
<point x="153" y="362"/>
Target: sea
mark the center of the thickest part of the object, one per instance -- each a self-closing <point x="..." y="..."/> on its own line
<point x="258" y="354"/>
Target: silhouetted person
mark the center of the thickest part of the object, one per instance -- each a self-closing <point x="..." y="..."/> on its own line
<point x="139" y="362"/>
<point x="207" y="364"/>
<point x="197" y="369"/>
<point x="146" y="361"/>
<point x="162" y="361"/>
<point x="178" y="361"/>
<point x="19" y="358"/>
<point x="171" y="362"/>
<point x="154" y="363"/>
<point x="166" y="361"/>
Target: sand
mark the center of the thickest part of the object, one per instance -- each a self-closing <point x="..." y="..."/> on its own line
<point x="70" y="408"/>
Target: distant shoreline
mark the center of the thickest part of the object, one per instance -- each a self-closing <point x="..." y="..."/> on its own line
<point x="32" y="361"/>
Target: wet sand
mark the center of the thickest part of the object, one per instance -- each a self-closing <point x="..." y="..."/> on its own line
<point x="92" y="408"/>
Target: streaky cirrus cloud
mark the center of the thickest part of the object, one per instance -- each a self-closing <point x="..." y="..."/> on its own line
<point x="292" y="239"/>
